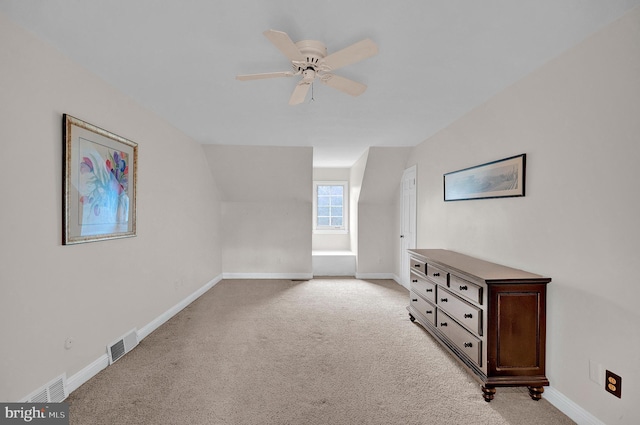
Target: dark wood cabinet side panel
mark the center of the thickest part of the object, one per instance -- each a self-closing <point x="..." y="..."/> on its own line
<point x="518" y="331"/>
<point x="517" y="321"/>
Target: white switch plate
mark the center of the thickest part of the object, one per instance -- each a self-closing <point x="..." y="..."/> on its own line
<point x="68" y="343"/>
<point x="596" y="373"/>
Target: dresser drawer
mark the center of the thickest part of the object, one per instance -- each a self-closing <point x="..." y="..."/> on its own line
<point x="423" y="287"/>
<point x="465" y="313"/>
<point x="465" y="288"/>
<point x="425" y="308"/>
<point x="417" y="265"/>
<point x="437" y="275"/>
<point x="464" y="341"/>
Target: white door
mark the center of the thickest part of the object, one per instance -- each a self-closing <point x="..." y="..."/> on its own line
<point x="407" y="221"/>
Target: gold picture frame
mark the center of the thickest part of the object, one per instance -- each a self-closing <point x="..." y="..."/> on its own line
<point x="99" y="183"/>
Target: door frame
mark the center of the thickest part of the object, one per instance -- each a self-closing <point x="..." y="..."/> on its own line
<point x="408" y="241"/>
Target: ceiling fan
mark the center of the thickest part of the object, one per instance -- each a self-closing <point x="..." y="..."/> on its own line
<point x="310" y="60"/>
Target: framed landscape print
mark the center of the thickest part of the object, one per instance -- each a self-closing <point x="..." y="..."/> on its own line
<point x="99" y="183"/>
<point x="497" y="179"/>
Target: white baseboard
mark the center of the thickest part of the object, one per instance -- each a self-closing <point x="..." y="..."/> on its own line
<point x="291" y="276"/>
<point x="570" y="408"/>
<point x="88" y="372"/>
<point x="160" y="320"/>
<point x="91" y="370"/>
<point x="375" y="276"/>
<point x="398" y="280"/>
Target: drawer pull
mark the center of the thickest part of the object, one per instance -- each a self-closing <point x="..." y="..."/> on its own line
<point x="415" y="281"/>
<point x="436" y="274"/>
<point x="468" y="344"/>
<point x="429" y="311"/>
<point x="430" y="290"/>
<point x="443" y="324"/>
<point x="463" y="288"/>
<point x="415" y="300"/>
<point x="417" y="266"/>
<point x="444" y="300"/>
<point x="468" y="316"/>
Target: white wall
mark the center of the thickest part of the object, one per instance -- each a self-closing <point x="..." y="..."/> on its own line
<point x="356" y="177"/>
<point x="377" y="212"/>
<point x="578" y="120"/>
<point x="266" y="195"/>
<point x="91" y="292"/>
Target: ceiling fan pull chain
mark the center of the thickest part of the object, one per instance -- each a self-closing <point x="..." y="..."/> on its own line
<point x="312" y="99"/>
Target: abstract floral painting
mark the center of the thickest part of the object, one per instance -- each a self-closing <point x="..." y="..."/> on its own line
<point x="100" y="177"/>
<point x="102" y="185"/>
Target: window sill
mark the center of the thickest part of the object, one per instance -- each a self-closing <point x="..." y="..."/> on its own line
<point x="332" y="253"/>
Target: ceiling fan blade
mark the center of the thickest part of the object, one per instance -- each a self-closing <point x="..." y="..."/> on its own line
<point x="343" y="84"/>
<point x="355" y="53"/>
<point x="282" y="41"/>
<point x="299" y="93"/>
<point x="265" y="75"/>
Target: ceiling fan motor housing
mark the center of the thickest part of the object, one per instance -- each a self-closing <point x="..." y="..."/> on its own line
<point x="309" y="59"/>
<point x="313" y="51"/>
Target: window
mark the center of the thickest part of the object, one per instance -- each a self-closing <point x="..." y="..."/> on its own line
<point x="330" y="206"/>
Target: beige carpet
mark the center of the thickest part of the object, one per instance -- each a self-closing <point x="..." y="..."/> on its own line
<point x="325" y="351"/>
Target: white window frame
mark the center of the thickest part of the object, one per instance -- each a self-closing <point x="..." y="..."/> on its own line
<point x="345" y="207"/>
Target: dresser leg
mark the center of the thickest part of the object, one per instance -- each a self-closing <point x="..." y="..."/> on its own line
<point x="536" y="392"/>
<point x="413" y="319"/>
<point x="488" y="393"/>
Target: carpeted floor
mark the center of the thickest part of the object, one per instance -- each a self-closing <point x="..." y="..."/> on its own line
<point x="324" y="351"/>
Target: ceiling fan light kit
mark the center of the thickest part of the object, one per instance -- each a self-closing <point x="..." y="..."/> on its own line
<point x="309" y="60"/>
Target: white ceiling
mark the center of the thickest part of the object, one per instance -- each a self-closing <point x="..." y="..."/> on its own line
<point x="438" y="60"/>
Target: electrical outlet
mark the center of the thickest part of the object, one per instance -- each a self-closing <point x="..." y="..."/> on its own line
<point x="613" y="384"/>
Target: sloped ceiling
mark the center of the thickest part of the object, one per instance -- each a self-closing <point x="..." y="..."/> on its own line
<point x="382" y="174"/>
<point x="438" y="60"/>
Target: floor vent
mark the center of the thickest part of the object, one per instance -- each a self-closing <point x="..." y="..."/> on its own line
<point x="53" y="392"/>
<point x="122" y="346"/>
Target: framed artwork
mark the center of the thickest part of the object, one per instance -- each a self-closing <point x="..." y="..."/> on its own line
<point x="99" y="183"/>
<point x="498" y="179"/>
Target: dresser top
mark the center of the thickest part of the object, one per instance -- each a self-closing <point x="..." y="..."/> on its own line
<point x="474" y="267"/>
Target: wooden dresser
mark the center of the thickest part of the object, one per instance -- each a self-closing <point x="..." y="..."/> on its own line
<point x="490" y="317"/>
